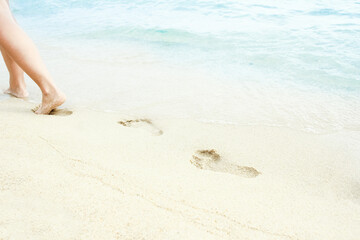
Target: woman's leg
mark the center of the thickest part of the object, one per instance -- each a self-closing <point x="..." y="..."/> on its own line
<point x="17" y="84"/>
<point x="22" y="50"/>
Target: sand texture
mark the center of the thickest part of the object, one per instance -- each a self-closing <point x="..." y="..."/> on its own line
<point x="80" y="174"/>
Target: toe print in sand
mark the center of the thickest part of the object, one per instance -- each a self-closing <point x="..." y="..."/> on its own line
<point x="145" y="124"/>
<point x="211" y="160"/>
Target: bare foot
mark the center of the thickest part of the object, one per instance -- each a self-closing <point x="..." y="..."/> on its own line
<point x="50" y="102"/>
<point x="19" y="93"/>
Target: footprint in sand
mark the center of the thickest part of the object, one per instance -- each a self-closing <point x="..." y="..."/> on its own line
<point x="145" y="124"/>
<point x="211" y="160"/>
<point x="56" y="112"/>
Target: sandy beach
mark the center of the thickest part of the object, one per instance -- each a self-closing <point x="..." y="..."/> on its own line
<point x="183" y="120"/>
<point x="84" y="174"/>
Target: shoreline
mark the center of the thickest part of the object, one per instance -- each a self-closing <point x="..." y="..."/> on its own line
<point x="86" y="176"/>
<point x="142" y="83"/>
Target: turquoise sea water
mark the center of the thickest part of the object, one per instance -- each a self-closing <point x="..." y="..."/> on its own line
<point x="294" y="64"/>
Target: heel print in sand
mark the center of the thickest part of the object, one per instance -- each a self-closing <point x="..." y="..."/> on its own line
<point x="211" y="160"/>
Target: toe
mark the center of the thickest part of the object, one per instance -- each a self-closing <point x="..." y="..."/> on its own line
<point x="43" y="110"/>
<point x="39" y="110"/>
<point x="36" y="108"/>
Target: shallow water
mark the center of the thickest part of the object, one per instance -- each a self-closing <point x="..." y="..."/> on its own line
<point x="242" y="62"/>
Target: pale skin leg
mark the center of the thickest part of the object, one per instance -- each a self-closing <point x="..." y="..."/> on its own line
<point x="16" y="82"/>
<point x="19" y="47"/>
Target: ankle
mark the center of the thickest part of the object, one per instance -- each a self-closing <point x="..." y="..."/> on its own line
<point x="17" y="83"/>
<point x="48" y="90"/>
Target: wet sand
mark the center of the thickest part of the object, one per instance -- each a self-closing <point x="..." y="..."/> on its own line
<point x="80" y="174"/>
